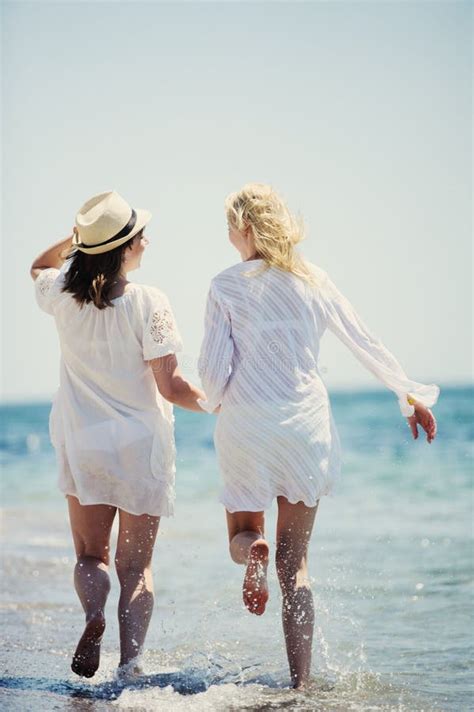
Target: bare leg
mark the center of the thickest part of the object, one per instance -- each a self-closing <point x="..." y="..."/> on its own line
<point x="294" y="527"/>
<point x="247" y="546"/>
<point x="133" y="559"/>
<point x="91" y="526"/>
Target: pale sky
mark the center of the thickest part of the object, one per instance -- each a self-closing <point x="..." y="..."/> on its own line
<point x="359" y="113"/>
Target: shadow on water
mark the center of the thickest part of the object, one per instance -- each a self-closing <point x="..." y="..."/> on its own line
<point x="183" y="683"/>
<point x="180" y="683"/>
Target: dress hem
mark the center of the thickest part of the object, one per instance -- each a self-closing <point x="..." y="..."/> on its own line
<point x="269" y="501"/>
<point x="170" y="509"/>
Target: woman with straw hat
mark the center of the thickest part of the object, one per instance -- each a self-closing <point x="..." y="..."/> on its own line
<point x="112" y="417"/>
<point x="275" y="436"/>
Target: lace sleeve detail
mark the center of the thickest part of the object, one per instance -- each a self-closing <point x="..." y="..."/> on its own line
<point x="161" y="335"/>
<point x="43" y="286"/>
<point x="162" y="326"/>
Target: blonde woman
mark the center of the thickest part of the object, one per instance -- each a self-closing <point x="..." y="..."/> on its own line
<point x="112" y="418"/>
<point x="275" y="436"/>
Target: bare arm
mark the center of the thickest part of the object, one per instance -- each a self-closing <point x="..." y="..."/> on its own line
<point x="173" y="386"/>
<point x="54" y="256"/>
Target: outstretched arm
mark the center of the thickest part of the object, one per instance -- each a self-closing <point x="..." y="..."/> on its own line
<point x="414" y="398"/>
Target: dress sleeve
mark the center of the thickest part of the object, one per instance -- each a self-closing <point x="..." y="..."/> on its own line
<point x="44" y="284"/>
<point x="345" y="323"/>
<point x="160" y="336"/>
<point x="215" y="359"/>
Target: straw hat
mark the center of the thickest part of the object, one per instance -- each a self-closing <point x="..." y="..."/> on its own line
<point x="105" y="222"/>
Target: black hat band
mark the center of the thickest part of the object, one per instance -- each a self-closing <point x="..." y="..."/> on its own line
<point x="123" y="233"/>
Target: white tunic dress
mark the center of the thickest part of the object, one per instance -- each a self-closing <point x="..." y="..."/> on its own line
<point x="275" y="433"/>
<point x="112" y="431"/>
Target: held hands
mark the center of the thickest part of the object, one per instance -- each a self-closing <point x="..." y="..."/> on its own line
<point x="425" y="418"/>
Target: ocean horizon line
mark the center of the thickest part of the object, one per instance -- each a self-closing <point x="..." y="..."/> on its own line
<point x="337" y="390"/>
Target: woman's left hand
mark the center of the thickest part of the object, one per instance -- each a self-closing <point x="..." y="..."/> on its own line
<point x="425" y="418"/>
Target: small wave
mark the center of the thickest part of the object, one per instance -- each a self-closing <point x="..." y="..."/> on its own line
<point x="214" y="682"/>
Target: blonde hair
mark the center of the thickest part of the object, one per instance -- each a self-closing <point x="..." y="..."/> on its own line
<point x="275" y="230"/>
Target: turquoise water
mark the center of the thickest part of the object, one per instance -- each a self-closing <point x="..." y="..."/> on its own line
<point x="390" y="560"/>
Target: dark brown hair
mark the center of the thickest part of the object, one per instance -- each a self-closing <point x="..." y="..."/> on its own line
<point x="90" y="278"/>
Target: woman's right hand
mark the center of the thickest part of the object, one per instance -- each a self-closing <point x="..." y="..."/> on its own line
<point x="425" y="418"/>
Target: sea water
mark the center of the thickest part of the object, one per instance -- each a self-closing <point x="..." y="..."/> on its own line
<point x="390" y="563"/>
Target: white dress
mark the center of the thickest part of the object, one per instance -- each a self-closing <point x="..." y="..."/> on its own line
<point x="275" y="433"/>
<point x="112" y="431"/>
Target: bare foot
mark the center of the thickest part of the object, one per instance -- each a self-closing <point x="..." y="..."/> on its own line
<point x="85" y="660"/>
<point x="255" y="587"/>
<point x="131" y="671"/>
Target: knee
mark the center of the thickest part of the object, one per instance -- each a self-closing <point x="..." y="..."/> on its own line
<point x="128" y="567"/>
<point x="236" y="554"/>
<point x="93" y="550"/>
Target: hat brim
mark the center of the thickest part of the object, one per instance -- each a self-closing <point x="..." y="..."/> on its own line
<point x="143" y="218"/>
